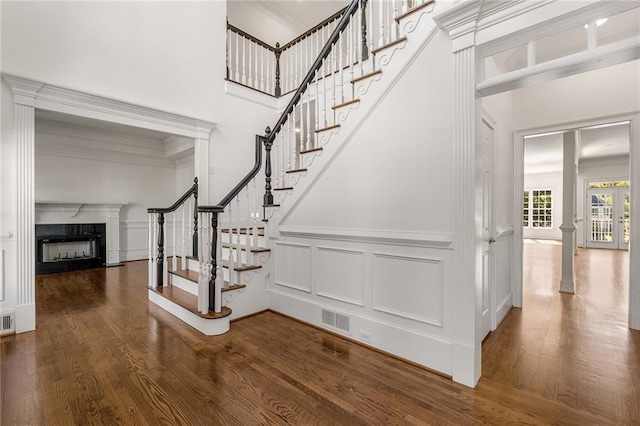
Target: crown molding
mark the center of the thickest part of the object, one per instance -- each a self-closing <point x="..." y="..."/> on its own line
<point x="85" y="153"/>
<point x="54" y="98"/>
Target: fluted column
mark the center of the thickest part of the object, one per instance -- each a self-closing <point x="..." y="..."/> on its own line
<point x="24" y="124"/>
<point x="466" y="363"/>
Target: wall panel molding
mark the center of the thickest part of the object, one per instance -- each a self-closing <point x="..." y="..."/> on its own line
<point x="397" y="276"/>
<point x="340" y="269"/>
<point x="382" y="236"/>
<point x="293" y="267"/>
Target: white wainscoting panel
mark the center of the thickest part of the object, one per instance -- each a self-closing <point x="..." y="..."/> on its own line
<point x="409" y="287"/>
<point x="134" y="240"/>
<point x="293" y="266"/>
<point x="1" y="274"/>
<point x="340" y="275"/>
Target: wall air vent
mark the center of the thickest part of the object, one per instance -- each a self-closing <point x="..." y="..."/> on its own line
<point x="7" y="324"/>
<point x="334" y="320"/>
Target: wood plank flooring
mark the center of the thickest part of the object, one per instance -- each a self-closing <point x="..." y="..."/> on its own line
<point x="572" y="349"/>
<point x="102" y="354"/>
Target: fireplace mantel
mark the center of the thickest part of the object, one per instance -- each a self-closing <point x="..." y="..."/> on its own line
<point x="47" y="212"/>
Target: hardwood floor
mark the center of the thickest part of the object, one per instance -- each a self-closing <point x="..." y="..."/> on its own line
<point x="102" y="354"/>
<point x="572" y="349"/>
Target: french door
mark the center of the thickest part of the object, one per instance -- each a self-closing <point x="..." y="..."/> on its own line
<point x="608" y="218"/>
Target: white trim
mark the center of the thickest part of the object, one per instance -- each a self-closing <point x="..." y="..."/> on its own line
<point x="503" y="231"/>
<point x="357" y="302"/>
<point x="6" y="235"/>
<point x="400" y="237"/>
<point x="55" y="98"/>
<point x="438" y="322"/>
<point x="208" y="327"/>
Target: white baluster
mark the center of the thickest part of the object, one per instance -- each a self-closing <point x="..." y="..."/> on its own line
<point x="308" y="120"/>
<point x="219" y="278"/>
<point x="334" y="59"/>
<point x="371" y="33"/>
<point x="191" y="206"/>
<point x="239" y="236"/>
<point x="244" y="61"/>
<point x="256" y="78"/>
<point x="231" y="262"/>
<point x="185" y="230"/>
<point x="262" y="86"/>
<point x="381" y="31"/>
<point x="405" y="6"/>
<point x="174" y="259"/>
<point x="256" y="215"/>
<point x="165" y="263"/>
<point x="155" y="249"/>
<point x="393" y="25"/>
<point x="237" y="70"/>
<point x="296" y="132"/>
<point x="282" y="153"/>
<point x="151" y="263"/>
<point x="290" y="143"/>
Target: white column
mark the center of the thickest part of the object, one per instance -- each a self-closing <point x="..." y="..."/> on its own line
<point x="24" y="115"/>
<point x="113" y="235"/>
<point x="634" y="242"/>
<point x="466" y="363"/>
<point x="568" y="226"/>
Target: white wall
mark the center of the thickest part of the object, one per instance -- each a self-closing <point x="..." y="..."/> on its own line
<point x="248" y="18"/>
<point x="605" y="169"/>
<point x="552" y="181"/>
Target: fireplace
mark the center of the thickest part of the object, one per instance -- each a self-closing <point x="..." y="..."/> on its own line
<point x="69" y="247"/>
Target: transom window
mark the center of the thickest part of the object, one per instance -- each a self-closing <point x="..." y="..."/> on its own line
<point x="537" y="209"/>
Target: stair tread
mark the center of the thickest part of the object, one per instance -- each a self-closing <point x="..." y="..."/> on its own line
<point x="193" y="277"/>
<point x="364" y="77"/>
<point x="335" y="126"/>
<point x="240" y="268"/>
<point x="286" y="188"/>
<point x="413" y="10"/>
<point x="270" y="205"/>
<point x="308" y="151"/>
<point x="187" y="274"/>
<point x="188" y="301"/>
<point x="386" y="46"/>
<point x="347" y="103"/>
<point x="296" y="171"/>
<point x="254" y="250"/>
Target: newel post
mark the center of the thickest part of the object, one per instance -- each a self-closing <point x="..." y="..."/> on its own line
<point x="195" y="220"/>
<point x="268" y="143"/>
<point x="214" y="262"/>
<point x="363" y="15"/>
<point x="160" y="259"/>
<point x="277" y="90"/>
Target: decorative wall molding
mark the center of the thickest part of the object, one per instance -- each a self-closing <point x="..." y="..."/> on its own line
<point x="341" y="269"/>
<point x="293" y="268"/>
<point x="503" y="231"/>
<point x="54" y="98"/>
<point x="400" y="237"/>
<point x="431" y="271"/>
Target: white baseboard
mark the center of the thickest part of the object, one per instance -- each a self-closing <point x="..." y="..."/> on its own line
<point x="25" y="318"/>
<point x="430" y="351"/>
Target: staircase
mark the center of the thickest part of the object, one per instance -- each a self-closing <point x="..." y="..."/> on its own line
<point x="218" y="277"/>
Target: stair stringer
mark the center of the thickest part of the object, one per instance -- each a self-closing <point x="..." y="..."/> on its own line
<point x="394" y="62"/>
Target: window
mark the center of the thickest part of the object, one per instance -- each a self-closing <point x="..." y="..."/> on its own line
<point x="536" y="209"/>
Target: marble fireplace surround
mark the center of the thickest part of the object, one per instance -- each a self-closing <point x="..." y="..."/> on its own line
<point x="60" y="213"/>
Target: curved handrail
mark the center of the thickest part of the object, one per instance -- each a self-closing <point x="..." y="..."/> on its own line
<point x="177" y="204"/>
<point x="344" y="21"/>
<point x="244" y="182"/>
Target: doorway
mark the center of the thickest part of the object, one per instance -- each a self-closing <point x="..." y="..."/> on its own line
<point x="608" y="212"/>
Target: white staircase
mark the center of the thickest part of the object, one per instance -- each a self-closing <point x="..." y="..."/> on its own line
<point x="347" y="98"/>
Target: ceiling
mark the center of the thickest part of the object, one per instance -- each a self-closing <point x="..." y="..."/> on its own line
<point x="543" y="153"/>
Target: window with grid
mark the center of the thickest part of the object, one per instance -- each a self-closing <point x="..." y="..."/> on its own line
<point x="537" y="211"/>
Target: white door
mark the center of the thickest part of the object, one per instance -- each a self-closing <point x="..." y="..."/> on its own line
<point x="486" y="159"/>
<point x="608" y="218"/>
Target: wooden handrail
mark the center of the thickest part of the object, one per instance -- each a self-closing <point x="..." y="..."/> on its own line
<point x="320" y="25"/>
<point x="344" y="21"/>
<point x="248" y="36"/>
<point x="177" y="204"/>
